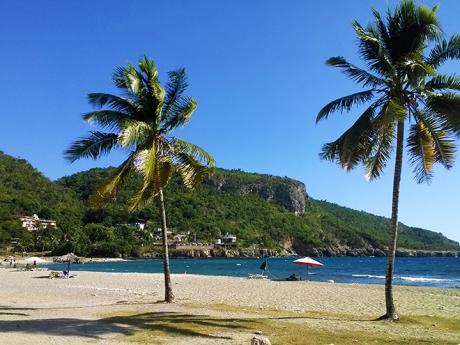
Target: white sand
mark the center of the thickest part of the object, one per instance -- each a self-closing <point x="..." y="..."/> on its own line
<point x="36" y="310"/>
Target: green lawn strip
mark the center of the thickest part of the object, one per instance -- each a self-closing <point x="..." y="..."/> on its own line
<point x="435" y="322"/>
<point x="164" y="327"/>
<point x="314" y="314"/>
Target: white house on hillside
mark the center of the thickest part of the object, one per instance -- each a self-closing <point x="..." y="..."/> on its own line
<point x="34" y="223"/>
<point x="227" y="239"/>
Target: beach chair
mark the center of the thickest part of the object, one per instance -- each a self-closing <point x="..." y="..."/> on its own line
<point x="61" y="274"/>
<point x="56" y="274"/>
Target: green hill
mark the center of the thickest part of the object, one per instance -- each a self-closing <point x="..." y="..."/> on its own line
<point x="271" y="212"/>
<point x="25" y="191"/>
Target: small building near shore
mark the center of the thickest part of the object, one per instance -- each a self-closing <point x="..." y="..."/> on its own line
<point x="226" y="240"/>
<point x="34" y="223"/>
<point x="138" y="225"/>
<point x="180" y="238"/>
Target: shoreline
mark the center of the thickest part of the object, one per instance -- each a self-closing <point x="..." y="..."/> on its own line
<point x="195" y="254"/>
<point x="426" y="282"/>
<point x="349" y="271"/>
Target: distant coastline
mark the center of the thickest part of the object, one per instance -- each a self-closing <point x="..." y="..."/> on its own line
<point x="415" y="271"/>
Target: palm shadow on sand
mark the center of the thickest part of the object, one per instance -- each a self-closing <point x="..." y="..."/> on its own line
<point x="166" y="323"/>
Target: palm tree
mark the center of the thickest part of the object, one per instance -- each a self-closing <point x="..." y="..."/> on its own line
<point x="140" y="123"/>
<point x="402" y="84"/>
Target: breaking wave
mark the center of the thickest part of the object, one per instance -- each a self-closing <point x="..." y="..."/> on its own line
<point x="427" y="280"/>
<point x="410" y="279"/>
<point x="367" y="276"/>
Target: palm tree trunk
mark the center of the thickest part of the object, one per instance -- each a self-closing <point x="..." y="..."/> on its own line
<point x="390" y="307"/>
<point x="169" y="296"/>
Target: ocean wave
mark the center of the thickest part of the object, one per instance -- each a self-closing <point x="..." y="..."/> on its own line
<point x="427" y="280"/>
<point x="410" y="279"/>
<point x="367" y="276"/>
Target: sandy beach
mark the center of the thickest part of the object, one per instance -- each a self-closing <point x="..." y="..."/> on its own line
<point x="119" y="308"/>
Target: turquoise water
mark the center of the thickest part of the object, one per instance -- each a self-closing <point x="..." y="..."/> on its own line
<point x="419" y="271"/>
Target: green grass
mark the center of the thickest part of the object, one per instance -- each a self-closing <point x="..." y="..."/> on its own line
<point x="313" y="314"/>
<point x="433" y="322"/>
<point x="164" y="327"/>
<point x="280" y="326"/>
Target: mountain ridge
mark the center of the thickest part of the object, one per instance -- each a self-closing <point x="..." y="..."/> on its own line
<point x="270" y="212"/>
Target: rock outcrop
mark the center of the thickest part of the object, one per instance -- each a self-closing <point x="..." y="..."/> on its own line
<point x="344" y="250"/>
<point x="298" y="250"/>
<point x="286" y="192"/>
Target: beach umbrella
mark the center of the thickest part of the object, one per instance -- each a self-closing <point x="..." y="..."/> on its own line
<point x="35" y="260"/>
<point x="69" y="258"/>
<point x="307" y="261"/>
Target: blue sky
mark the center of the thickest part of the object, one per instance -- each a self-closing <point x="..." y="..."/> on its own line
<point x="256" y="68"/>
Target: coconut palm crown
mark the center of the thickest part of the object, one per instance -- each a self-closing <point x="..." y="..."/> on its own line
<point x="140" y="123"/>
<point x="402" y="84"/>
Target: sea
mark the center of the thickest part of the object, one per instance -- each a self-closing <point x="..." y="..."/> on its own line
<point x="416" y="271"/>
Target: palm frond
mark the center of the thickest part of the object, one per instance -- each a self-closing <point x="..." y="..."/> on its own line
<point x="190" y="170"/>
<point x="421" y="151"/>
<point x="445" y="50"/>
<point x="344" y="103"/>
<point x="193" y="150"/>
<point x="353" y="146"/>
<point x="358" y="75"/>
<point x="135" y="133"/>
<point x="129" y="79"/>
<point x="447" y="106"/>
<point x="177" y="84"/>
<point x="410" y="27"/>
<point x="146" y="192"/>
<point x="191" y="162"/>
<point x="373" y="50"/>
<point x="382" y="146"/>
<point x="146" y="163"/>
<point x="107" y="191"/>
<point x="417" y="71"/>
<point x="109" y="119"/>
<point x="380" y="30"/>
<point x="180" y="115"/>
<point x="124" y="105"/>
<point x="148" y="67"/>
<point x="156" y="171"/>
<point x="443" y="144"/>
<point x="390" y="112"/>
<point x="443" y="82"/>
<point x="95" y="145"/>
<point x="152" y="91"/>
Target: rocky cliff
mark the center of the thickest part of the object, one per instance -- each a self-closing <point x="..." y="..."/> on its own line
<point x="303" y="251"/>
<point x="289" y="193"/>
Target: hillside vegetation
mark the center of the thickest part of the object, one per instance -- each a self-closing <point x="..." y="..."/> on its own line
<point x="258" y="209"/>
<point x="25" y="191"/>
